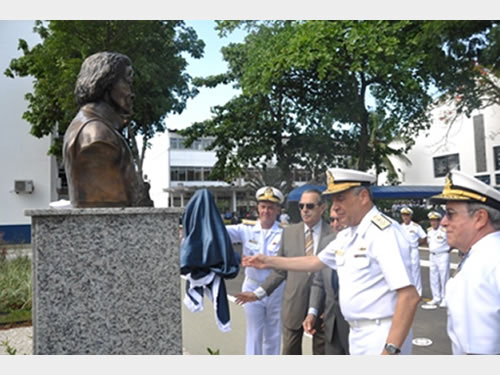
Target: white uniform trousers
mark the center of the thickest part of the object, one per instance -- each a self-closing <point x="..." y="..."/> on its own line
<point x="263" y="320"/>
<point x="370" y="339"/>
<point x="439" y="273"/>
<point x="415" y="270"/>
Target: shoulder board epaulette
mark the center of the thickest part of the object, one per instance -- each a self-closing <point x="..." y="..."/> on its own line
<point x="248" y="222"/>
<point x="283" y="225"/>
<point x="381" y="221"/>
<point x="429" y="229"/>
<point x="443" y="229"/>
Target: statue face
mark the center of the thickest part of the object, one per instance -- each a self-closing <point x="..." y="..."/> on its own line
<point x="122" y="95"/>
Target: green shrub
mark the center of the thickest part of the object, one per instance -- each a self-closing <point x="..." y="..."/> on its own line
<point x="15" y="284"/>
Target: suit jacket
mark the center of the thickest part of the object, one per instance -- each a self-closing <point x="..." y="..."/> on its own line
<point x="324" y="298"/>
<point x="298" y="284"/>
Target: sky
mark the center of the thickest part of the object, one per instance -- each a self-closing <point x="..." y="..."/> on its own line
<point x="198" y="109"/>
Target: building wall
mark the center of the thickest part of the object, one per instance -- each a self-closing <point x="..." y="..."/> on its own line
<point x="23" y="156"/>
<point x="464" y="137"/>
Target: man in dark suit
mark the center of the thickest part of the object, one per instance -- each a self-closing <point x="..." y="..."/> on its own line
<point x="324" y="296"/>
<point x="296" y="241"/>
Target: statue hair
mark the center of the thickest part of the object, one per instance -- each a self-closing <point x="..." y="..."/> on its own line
<point x="98" y="73"/>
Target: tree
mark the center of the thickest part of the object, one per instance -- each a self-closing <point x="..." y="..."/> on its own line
<point x="255" y="129"/>
<point x="336" y="72"/>
<point x="475" y="81"/>
<point x="384" y="144"/>
<point x="156" y="48"/>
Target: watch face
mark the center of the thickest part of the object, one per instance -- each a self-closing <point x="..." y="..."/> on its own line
<point x="391" y="349"/>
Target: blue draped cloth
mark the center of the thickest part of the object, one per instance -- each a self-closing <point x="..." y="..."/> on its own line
<point x="207" y="257"/>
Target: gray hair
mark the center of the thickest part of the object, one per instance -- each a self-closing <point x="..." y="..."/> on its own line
<point x="98" y="73"/>
<point x="358" y="189"/>
<point x="315" y="191"/>
<point x="493" y="214"/>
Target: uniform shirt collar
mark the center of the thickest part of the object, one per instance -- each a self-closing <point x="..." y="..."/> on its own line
<point x="316" y="228"/>
<point x="258" y="228"/>
<point x="364" y="224"/>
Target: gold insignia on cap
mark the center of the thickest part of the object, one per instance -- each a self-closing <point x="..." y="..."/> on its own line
<point x="330" y="180"/>
<point x="268" y="195"/>
<point x="381" y="222"/>
<point x="433" y="216"/>
<point x="333" y="187"/>
<point x="458" y="194"/>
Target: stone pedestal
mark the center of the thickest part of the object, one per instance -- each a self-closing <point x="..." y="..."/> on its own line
<point x="106" y="281"/>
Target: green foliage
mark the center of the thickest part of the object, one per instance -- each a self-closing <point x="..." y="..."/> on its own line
<point x="156" y="49"/>
<point x="307" y="89"/>
<point x="16" y="316"/>
<point x="213" y="352"/>
<point x="15" y="284"/>
<point x="9" y="349"/>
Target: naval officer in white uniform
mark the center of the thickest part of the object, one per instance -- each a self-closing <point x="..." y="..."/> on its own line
<point x="439" y="257"/>
<point x="472" y="223"/>
<point x="416" y="236"/>
<point x="372" y="258"/>
<point x="263" y="317"/>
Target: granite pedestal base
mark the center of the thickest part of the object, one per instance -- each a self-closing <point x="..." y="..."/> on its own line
<point x="106" y="281"/>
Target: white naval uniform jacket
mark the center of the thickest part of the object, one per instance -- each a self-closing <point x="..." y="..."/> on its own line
<point x="473" y="300"/>
<point x="372" y="261"/>
<point x="436" y="238"/>
<point x="414" y="232"/>
<point x="254" y="241"/>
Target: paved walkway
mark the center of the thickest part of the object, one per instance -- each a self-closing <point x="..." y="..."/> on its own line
<point x="18" y="339"/>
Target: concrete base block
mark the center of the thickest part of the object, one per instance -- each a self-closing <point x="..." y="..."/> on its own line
<point x="106" y="281"/>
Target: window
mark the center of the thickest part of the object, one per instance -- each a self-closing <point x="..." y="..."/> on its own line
<point x="177" y="143"/>
<point x="484" y="178"/>
<point x="301" y="175"/>
<point x="496" y="157"/>
<point x="444" y="164"/>
<point x="497" y="179"/>
<point x="189" y="174"/>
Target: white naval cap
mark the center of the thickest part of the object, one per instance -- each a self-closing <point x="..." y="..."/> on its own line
<point x="406" y="211"/>
<point x="269" y="194"/>
<point x="434" y="215"/>
<point x="465" y="188"/>
<point x="339" y="180"/>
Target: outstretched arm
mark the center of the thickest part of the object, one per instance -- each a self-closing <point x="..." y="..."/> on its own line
<point x="303" y="263"/>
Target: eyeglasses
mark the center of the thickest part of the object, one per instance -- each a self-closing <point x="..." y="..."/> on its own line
<point x="333" y="219"/>
<point x="309" y="206"/>
<point x="449" y="214"/>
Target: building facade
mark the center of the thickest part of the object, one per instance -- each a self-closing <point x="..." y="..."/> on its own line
<point x="470" y="144"/>
<point x="28" y="175"/>
<point x="176" y="172"/>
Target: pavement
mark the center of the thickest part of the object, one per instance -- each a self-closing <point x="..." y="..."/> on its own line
<point x="200" y="332"/>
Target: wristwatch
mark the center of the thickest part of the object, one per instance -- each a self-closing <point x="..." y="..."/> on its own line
<point x="392" y="349"/>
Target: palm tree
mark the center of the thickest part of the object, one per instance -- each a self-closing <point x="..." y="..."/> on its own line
<point x="382" y="146"/>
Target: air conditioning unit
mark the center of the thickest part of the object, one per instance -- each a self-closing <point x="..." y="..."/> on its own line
<point x="24" y="186"/>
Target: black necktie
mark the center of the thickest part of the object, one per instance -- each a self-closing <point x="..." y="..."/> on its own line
<point x="335" y="283"/>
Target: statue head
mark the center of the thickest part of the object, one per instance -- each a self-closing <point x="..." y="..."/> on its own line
<point x="106" y="76"/>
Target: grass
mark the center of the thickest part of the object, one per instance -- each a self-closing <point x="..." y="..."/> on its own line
<point x="15" y="290"/>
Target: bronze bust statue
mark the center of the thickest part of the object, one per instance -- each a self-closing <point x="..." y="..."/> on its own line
<point x="97" y="159"/>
